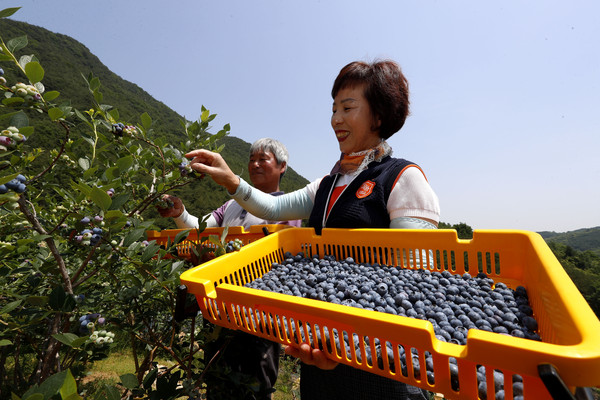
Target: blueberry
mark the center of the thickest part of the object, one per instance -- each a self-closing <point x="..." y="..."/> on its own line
<point x="3" y="189"/>
<point x="12" y="184"/>
<point x="530" y="323"/>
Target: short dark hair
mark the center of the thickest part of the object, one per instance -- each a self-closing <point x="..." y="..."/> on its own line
<point x="386" y="90"/>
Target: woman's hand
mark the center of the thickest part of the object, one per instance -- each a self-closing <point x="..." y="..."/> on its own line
<point x="311" y="356"/>
<point x="207" y="162"/>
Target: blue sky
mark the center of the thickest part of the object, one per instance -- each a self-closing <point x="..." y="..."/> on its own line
<point x="505" y="94"/>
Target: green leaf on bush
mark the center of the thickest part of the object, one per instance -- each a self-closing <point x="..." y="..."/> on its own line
<point x="100" y="198"/>
<point x="19" y="120"/>
<point x="181" y="236"/>
<point x="10" y="306"/>
<point x="37" y="301"/>
<point x="51" y="95"/>
<point x="112" y="172"/>
<point x="26" y="130"/>
<point x="38" y="238"/>
<point x="83" y="188"/>
<point x="82" y="117"/>
<point x="69" y="387"/>
<point x="12" y="101"/>
<point x="55" y="113"/>
<point x="66" y="338"/>
<point x="90" y="172"/>
<point x="98" y="96"/>
<point x="16" y="44"/>
<point x="61" y="300"/>
<point x="114" y="114"/>
<point x="7" y="178"/>
<point x="150" y="251"/>
<point x="108" y="392"/>
<point x="7" y="12"/>
<point x="118" y="201"/>
<point x="133" y="236"/>
<point x="8" y="115"/>
<point x="35" y="396"/>
<point x="84" y="163"/>
<point x="146" y="120"/>
<point x="113" y="214"/>
<point x="125" y="163"/>
<point x="129" y="381"/>
<point x="34" y="71"/>
<point x="5" y="342"/>
<point x="150" y="378"/>
<point x="94" y="83"/>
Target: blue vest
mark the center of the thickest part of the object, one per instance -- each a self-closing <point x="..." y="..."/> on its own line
<point x="363" y="203"/>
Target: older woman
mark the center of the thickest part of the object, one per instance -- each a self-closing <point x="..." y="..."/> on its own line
<point x="367" y="188"/>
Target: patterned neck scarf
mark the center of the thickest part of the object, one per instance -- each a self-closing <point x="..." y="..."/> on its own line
<point x="354" y="163"/>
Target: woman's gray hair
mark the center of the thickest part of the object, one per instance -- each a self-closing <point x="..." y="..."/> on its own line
<point x="272" y="146"/>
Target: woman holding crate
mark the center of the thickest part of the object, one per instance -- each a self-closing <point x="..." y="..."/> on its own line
<point x="367" y="188"/>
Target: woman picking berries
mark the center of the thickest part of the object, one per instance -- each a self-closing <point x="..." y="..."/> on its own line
<point x="367" y="188"/>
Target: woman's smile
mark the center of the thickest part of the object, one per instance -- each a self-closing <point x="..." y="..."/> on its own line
<point x="353" y="122"/>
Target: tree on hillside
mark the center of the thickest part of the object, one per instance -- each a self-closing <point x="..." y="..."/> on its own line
<point x="463" y="230"/>
<point x="583" y="268"/>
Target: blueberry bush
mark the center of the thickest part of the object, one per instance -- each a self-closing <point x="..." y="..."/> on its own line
<point x="77" y="274"/>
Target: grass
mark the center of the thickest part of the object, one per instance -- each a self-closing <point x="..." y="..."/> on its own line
<point x="108" y="371"/>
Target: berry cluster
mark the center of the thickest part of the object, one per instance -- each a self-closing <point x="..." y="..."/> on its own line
<point x="17" y="185"/>
<point x="164" y="203"/>
<point x="88" y="322"/>
<point x="102" y="338"/>
<point x="233" y="245"/>
<point x="29" y="93"/>
<point x="185" y="168"/>
<point x="120" y="129"/>
<point x="10" y="138"/>
<point x="2" y="78"/>
<point x="90" y="237"/>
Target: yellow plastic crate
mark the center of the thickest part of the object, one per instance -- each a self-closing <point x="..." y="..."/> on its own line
<point x="184" y="249"/>
<point x="569" y="329"/>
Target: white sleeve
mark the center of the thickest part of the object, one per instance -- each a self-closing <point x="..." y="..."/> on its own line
<point x="187" y="220"/>
<point x="412" y="196"/>
<point x="411" y="223"/>
<point x="294" y="205"/>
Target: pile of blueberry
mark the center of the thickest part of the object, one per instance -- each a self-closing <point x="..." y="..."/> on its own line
<point x="454" y="304"/>
<point x="17" y="185"/>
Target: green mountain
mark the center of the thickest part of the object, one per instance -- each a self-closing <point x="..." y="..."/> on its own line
<point x="580" y="239"/>
<point x="66" y="62"/>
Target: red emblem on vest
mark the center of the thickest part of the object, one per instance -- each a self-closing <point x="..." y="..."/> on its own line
<point x="365" y="189"/>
